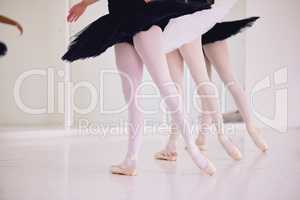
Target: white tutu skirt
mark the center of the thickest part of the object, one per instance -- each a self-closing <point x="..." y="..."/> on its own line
<point x="187" y="28"/>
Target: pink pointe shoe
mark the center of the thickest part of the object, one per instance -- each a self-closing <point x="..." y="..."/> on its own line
<point x="166" y="155"/>
<point x="229" y="147"/>
<point x="258" y="140"/>
<point x="202" y="161"/>
<point x="123" y="170"/>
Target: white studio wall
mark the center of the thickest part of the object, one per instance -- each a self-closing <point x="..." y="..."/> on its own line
<point x="272" y="50"/>
<point x="40" y="48"/>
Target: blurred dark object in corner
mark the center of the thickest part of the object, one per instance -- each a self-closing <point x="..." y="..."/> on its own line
<point x="3" y="49"/>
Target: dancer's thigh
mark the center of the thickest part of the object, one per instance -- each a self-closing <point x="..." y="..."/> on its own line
<point x="149" y="45"/>
<point x="218" y="55"/>
<point x="130" y="67"/>
<point x="193" y="55"/>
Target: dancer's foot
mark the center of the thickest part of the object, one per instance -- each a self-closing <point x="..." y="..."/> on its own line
<point x="229" y="147"/>
<point x="127" y="168"/>
<point x="168" y="154"/>
<point x="257" y="138"/>
<point x="201" y="161"/>
<point x="200" y="141"/>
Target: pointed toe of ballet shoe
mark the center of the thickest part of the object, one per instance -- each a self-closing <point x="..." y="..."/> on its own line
<point x="237" y="156"/>
<point x="202" y="162"/>
<point x="165" y="157"/>
<point x="258" y="139"/>
<point x="230" y="148"/>
<point x="264" y="148"/>
<point x="234" y="153"/>
<point x="121" y="170"/>
<point x="210" y="169"/>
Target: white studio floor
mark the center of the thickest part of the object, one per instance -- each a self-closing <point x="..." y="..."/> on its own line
<point x="77" y="168"/>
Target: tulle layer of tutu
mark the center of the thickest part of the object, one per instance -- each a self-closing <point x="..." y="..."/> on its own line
<point x="112" y="28"/>
<point x="224" y="30"/>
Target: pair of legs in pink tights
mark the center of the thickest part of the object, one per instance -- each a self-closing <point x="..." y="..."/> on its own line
<point x="216" y="54"/>
<point x="148" y="50"/>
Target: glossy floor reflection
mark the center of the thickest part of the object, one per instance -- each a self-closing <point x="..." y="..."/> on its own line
<point x="77" y="168"/>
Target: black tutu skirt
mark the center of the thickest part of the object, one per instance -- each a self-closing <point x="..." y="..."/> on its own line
<point x="3" y="49"/>
<point x="224" y="30"/>
<point x="125" y="19"/>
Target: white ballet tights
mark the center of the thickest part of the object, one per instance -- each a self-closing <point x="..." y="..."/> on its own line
<point x="148" y="44"/>
<point x="148" y="48"/>
<point x="130" y="67"/>
<point x="193" y="55"/>
<point x="218" y="55"/>
<point x="176" y="69"/>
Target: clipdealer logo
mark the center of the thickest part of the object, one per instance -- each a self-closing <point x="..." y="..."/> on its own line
<point x="279" y="121"/>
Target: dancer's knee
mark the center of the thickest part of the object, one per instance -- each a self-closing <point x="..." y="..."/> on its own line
<point x="207" y="89"/>
<point x="231" y="84"/>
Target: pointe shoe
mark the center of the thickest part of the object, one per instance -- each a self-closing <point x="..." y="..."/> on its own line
<point x="210" y="169"/>
<point x="229" y="147"/>
<point x="166" y="155"/>
<point x="202" y="162"/>
<point x="122" y="170"/>
<point x="258" y="140"/>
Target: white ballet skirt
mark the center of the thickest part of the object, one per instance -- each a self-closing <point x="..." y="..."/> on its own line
<point x="187" y="28"/>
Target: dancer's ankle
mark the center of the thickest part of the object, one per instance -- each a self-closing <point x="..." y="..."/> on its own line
<point x="171" y="145"/>
<point x="130" y="160"/>
<point x="192" y="148"/>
